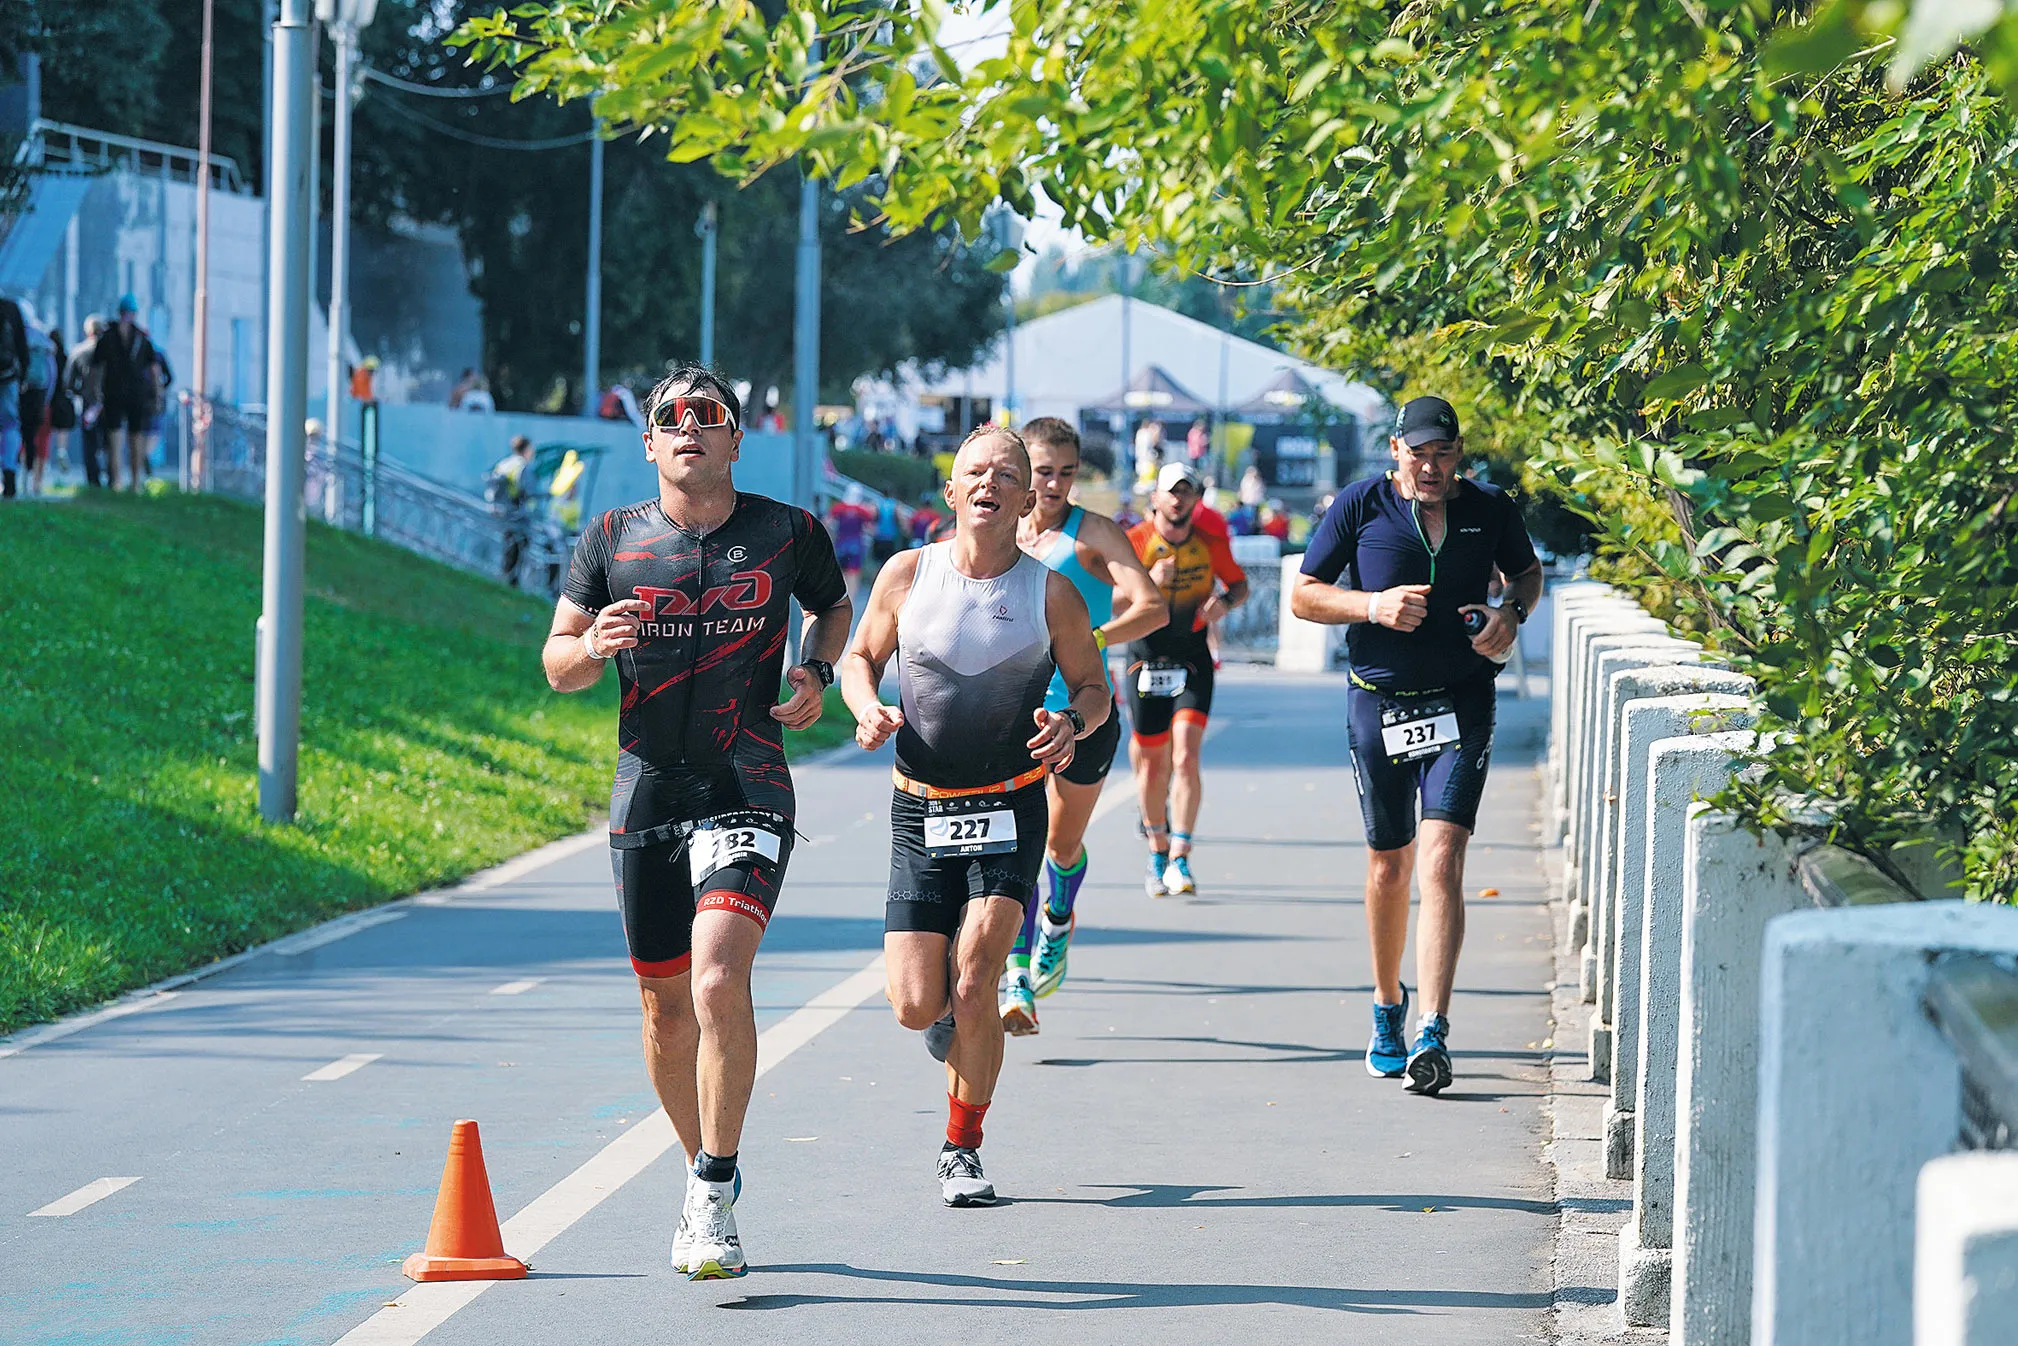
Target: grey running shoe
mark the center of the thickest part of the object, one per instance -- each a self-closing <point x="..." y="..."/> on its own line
<point x="961" y="1181"/>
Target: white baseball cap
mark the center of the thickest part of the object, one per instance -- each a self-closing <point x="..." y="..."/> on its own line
<point x="1172" y="473"/>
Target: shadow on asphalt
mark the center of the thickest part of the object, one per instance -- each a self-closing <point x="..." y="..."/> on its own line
<point x="1131" y="1294"/>
<point x="1132" y="986"/>
<point x="1162" y="1196"/>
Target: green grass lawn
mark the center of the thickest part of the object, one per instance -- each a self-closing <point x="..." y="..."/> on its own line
<point x="131" y="845"/>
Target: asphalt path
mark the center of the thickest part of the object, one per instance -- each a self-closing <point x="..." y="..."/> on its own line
<point x="1191" y="1145"/>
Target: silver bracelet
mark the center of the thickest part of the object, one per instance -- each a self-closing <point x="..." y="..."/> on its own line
<point x="590" y="650"/>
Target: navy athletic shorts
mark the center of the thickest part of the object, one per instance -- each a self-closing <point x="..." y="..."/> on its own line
<point x="1447" y="786"/>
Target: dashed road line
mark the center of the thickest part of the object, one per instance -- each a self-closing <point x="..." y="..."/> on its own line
<point x="337" y="1069"/>
<point x="517" y="987"/>
<point x="90" y="1193"/>
<point x="425" y="1307"/>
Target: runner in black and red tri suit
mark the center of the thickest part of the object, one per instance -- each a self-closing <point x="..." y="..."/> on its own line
<point x="690" y="595"/>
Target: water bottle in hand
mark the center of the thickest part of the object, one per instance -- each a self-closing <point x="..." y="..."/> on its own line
<point x="1474" y="622"/>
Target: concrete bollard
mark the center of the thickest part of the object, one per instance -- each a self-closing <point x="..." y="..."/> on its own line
<point x="1609" y="656"/>
<point x="1568" y="676"/>
<point x="1680" y="771"/>
<point x="1585" y="626"/>
<point x="1656" y="704"/>
<point x="1858" y="1088"/>
<point x="1301" y="646"/>
<point x="1565" y="602"/>
<point x="1594" y="639"/>
<point x="1733" y="883"/>
<point x="1965" y="1254"/>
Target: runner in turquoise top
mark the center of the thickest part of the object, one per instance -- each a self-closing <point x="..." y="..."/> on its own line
<point x="1090" y="550"/>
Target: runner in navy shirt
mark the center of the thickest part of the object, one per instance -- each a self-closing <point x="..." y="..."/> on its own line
<point x="689" y="594"/>
<point x="1406" y="561"/>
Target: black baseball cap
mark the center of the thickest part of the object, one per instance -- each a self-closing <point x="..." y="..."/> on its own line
<point x="1425" y="420"/>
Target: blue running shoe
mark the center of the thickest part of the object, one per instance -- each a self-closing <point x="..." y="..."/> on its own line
<point x="1152" y="879"/>
<point x="1387" y="1049"/>
<point x="1429" y="1063"/>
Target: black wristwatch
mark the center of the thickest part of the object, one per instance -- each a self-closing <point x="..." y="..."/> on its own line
<point x="820" y="669"/>
<point x="1078" y="720"/>
<point x="1520" y="610"/>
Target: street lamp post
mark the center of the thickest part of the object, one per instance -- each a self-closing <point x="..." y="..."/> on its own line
<point x="344" y="19"/>
<point x="289" y="157"/>
<point x="199" y="423"/>
<point x="706" y="227"/>
<point x="592" y="317"/>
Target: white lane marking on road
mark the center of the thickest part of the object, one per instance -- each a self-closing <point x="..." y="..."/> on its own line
<point x="425" y="1307"/>
<point x="342" y="928"/>
<point x="336" y="1070"/>
<point x="96" y="1190"/>
<point x="517" y="987"/>
<point x="139" y="1002"/>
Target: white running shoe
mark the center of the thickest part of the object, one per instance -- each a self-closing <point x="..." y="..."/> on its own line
<point x="1177" y="880"/>
<point x="1019" y="1005"/>
<point x="714" y="1253"/>
<point x="961" y="1181"/>
<point x="683" y="1235"/>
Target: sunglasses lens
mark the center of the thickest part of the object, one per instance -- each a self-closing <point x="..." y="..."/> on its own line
<point x="708" y="414"/>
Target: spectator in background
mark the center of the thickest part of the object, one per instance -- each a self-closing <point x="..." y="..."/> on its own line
<point x="463" y="385"/>
<point x="1148" y="454"/>
<point x="364" y="380"/>
<point x="924" y="523"/>
<point x="1197" y="442"/>
<point x="848" y="520"/>
<point x="621" y="404"/>
<point x="478" y="398"/>
<point x="133" y="370"/>
<point x="13" y="366"/>
<point x="38" y="379"/>
<point x="1244" y="521"/>
<point x="889" y="531"/>
<point x="84" y="379"/>
<point x="1252" y="489"/>
<point x="505" y="488"/>
<point x="62" y="408"/>
<point x="1274" y="522"/>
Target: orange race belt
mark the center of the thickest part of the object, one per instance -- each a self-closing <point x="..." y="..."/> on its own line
<point x="924" y="791"/>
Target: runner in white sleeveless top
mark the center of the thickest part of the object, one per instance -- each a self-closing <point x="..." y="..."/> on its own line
<point x="977" y="627"/>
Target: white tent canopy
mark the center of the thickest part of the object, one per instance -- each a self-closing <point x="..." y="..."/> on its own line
<point x="1072" y="359"/>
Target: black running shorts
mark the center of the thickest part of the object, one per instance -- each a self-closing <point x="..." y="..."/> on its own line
<point x="930" y="892"/>
<point x="656" y="889"/>
<point x="1155" y="714"/>
<point x="1093" y="755"/>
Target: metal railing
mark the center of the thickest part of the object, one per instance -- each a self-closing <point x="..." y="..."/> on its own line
<point x="346" y="488"/>
<point x="60" y="145"/>
<point x="1973" y="998"/>
<point x="1252" y="631"/>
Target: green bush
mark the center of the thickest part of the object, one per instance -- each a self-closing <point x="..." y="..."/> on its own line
<point x="897" y="475"/>
<point x="431" y="745"/>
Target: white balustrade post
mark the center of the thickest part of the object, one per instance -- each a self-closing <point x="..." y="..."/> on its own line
<point x="1680" y="772"/>
<point x="1965" y="1255"/>
<point x="1609" y="655"/>
<point x="1564" y="603"/>
<point x="1733" y="883"/>
<point x="1858" y="1088"/>
<point x="1655" y="704"/>
<point x="1612" y="630"/>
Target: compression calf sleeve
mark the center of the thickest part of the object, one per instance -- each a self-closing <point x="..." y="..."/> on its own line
<point x="1064" y="889"/>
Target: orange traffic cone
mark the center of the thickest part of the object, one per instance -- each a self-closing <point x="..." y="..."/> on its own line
<point x="463" y="1243"/>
